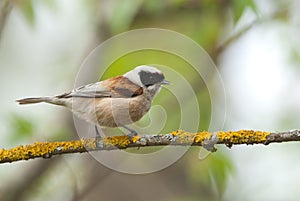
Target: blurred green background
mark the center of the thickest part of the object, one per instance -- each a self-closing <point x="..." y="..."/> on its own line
<point x="254" y="44"/>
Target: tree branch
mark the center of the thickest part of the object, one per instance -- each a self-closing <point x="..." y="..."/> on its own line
<point x="176" y="138"/>
<point x="223" y="46"/>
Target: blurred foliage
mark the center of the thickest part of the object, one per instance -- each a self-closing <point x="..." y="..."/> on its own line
<point x="21" y="128"/>
<point x="239" y="8"/>
<point x="29" y="8"/>
<point x="126" y="11"/>
<point x="212" y="171"/>
<point x="24" y="128"/>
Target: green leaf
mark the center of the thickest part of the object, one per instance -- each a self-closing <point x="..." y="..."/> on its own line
<point x="239" y="6"/>
<point x="221" y="167"/>
<point x="123" y="14"/>
<point x="21" y="127"/>
<point x="211" y="172"/>
<point x="152" y="6"/>
<point x="27" y="9"/>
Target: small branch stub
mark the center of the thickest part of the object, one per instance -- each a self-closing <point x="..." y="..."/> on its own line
<point x="177" y="138"/>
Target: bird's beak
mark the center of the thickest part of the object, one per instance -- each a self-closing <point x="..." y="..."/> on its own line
<point x="165" y="82"/>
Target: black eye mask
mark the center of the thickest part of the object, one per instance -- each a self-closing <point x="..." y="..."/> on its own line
<point x="149" y="78"/>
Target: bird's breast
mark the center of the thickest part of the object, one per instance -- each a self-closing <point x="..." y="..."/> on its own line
<point x="113" y="112"/>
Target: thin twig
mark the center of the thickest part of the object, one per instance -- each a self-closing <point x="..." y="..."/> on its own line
<point x="177" y="138"/>
<point x="219" y="49"/>
<point x="223" y="46"/>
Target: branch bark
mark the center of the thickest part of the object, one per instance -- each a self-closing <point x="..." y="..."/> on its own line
<point x="177" y="138"/>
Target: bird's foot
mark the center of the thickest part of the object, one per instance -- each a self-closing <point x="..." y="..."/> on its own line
<point x="132" y="132"/>
<point x="97" y="137"/>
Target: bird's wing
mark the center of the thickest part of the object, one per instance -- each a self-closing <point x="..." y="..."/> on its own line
<point x="122" y="87"/>
<point x="94" y="90"/>
<point x="117" y="87"/>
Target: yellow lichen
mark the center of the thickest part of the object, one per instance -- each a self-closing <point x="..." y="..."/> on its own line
<point x="201" y="136"/>
<point x="46" y="149"/>
<point x="38" y="149"/>
<point x="116" y="141"/>
<point x="88" y="143"/>
<point x="135" y="138"/>
<point x="183" y="136"/>
<point x="242" y="136"/>
<point x="174" y="133"/>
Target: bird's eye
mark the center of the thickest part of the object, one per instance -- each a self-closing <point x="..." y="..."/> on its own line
<point x="148" y="85"/>
<point x="150" y="82"/>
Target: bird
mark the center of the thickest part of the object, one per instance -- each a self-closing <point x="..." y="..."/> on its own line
<point x="115" y="102"/>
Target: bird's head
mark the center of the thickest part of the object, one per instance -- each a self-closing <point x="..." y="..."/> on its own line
<point x="147" y="77"/>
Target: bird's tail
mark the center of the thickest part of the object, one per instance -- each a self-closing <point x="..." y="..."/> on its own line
<point x="33" y="100"/>
<point x="52" y="100"/>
